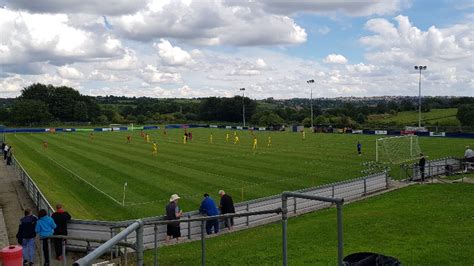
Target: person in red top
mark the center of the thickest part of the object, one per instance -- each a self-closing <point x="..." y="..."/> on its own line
<point x="61" y="218"/>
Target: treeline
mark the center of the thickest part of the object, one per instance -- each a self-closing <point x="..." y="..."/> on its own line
<point x="41" y="104"/>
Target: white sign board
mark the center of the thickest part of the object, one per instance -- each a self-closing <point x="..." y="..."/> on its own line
<point x="437" y="134"/>
<point x="380" y="132"/>
<point x="357" y="131"/>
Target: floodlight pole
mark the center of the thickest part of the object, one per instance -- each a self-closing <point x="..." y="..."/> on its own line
<point x="419" y="93"/>
<point x="243" y="106"/>
<point x="311" y="101"/>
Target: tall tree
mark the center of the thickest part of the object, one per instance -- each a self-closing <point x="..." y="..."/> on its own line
<point x="26" y="111"/>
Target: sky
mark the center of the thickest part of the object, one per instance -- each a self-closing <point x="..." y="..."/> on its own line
<point x="200" y="48"/>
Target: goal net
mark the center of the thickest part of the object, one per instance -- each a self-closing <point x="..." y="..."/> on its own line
<point x="397" y="150"/>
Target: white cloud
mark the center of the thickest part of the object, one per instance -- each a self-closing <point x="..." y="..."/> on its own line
<point x="209" y="23"/>
<point x="335" y="59"/>
<point x="330" y="8"/>
<point x="129" y="61"/>
<point x="68" y="72"/>
<point x="174" y="56"/>
<point x="151" y="75"/>
<point x="103" y="7"/>
<point x="30" y="38"/>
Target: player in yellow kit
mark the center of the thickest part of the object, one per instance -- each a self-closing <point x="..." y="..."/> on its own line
<point x="227" y="137"/>
<point x="303" y="134"/>
<point x="254" y="146"/>
<point x="147" y="137"/>
<point x="211" y="138"/>
<point x="269" y="142"/>
<point x="185" y="139"/>
<point x="236" y="139"/>
<point x="154" y="149"/>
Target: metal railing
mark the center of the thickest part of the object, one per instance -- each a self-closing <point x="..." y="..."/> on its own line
<point x="433" y="168"/>
<point x="137" y="227"/>
<point x="284" y="219"/>
<point x="104" y="230"/>
<point x="33" y="190"/>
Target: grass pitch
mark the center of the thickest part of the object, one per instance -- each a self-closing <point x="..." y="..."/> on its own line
<point x="88" y="176"/>
<point x="420" y="225"/>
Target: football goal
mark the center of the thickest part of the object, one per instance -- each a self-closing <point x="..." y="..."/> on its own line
<point x="397" y="150"/>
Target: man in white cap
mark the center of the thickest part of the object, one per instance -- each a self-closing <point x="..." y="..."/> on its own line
<point x="468" y="157"/>
<point x="173" y="213"/>
<point x="469" y="154"/>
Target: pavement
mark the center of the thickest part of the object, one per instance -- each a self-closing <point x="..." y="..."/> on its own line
<point x="13" y="201"/>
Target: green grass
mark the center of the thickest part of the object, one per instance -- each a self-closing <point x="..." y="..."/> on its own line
<point x="419" y="225"/>
<point x="190" y="170"/>
<point x="444" y="117"/>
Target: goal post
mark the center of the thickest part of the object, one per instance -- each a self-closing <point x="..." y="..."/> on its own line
<point x="397" y="150"/>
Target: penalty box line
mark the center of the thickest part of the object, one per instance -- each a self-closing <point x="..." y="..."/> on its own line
<point x="85" y="181"/>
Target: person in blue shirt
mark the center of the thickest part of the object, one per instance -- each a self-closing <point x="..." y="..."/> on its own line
<point x="359" y="148"/>
<point x="209" y="208"/>
<point x="45" y="228"/>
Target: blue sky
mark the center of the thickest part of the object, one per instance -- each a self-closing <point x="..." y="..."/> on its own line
<point x="190" y="48"/>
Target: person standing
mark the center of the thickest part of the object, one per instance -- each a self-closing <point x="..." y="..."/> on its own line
<point x="45" y="228"/>
<point x="173" y="213"/>
<point x="421" y="164"/>
<point x="359" y="148"/>
<point x="3" y="147"/>
<point x="9" y="155"/>
<point x="26" y="236"/>
<point x="5" y="151"/>
<point x="61" y="218"/>
<point x="227" y="206"/>
<point x="209" y="208"/>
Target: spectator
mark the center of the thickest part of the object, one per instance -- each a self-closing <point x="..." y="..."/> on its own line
<point x="421" y="164"/>
<point x="5" y="151"/>
<point x="469" y="155"/>
<point x="9" y="155"/>
<point x="227" y="206"/>
<point x="468" y="158"/>
<point x="173" y="213"/>
<point x="209" y="208"/>
<point x="61" y="218"/>
<point x="45" y="228"/>
<point x="359" y="148"/>
<point x="26" y="237"/>
<point x="3" y="147"/>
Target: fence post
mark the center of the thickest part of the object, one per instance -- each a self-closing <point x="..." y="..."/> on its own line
<point x="332" y="186"/>
<point x="63" y="242"/>
<point x="189" y="227"/>
<point x="387" y="178"/>
<point x="48" y="240"/>
<point x="247" y="209"/>
<point x="139" y="245"/>
<point x="365" y="186"/>
<point x="155" y="245"/>
<point x="284" y="224"/>
<point x="203" y="244"/>
<point x="294" y="205"/>
<point x="111" y="236"/>
<point x="340" y="244"/>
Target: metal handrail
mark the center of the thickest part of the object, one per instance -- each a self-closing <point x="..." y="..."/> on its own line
<point x="284" y="220"/>
<point x="102" y="249"/>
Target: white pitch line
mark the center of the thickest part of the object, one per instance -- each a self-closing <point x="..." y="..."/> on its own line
<point x="85" y="181"/>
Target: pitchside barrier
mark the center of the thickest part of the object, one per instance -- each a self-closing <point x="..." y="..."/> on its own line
<point x="443" y="166"/>
<point x="90" y="231"/>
